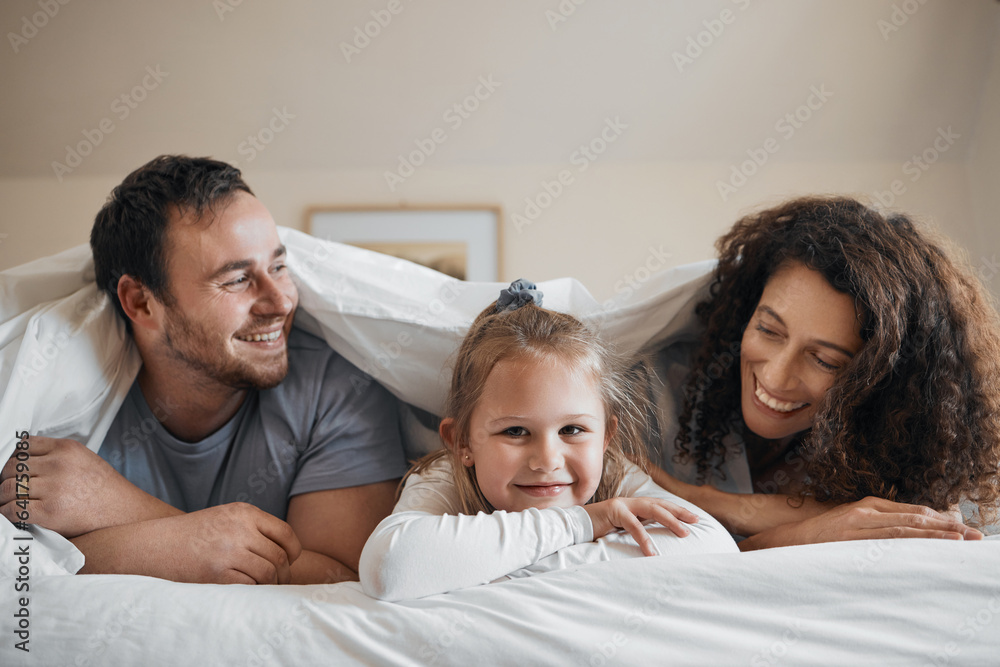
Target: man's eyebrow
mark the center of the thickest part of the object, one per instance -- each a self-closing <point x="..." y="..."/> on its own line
<point x="241" y="264"/>
<point x="824" y="343"/>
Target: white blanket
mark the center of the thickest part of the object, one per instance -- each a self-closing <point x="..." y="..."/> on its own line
<point x="66" y="364"/>
<point x="905" y="602"/>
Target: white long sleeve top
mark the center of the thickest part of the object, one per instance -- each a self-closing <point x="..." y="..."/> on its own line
<point x="426" y="546"/>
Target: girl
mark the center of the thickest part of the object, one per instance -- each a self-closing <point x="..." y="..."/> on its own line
<point x="541" y="421"/>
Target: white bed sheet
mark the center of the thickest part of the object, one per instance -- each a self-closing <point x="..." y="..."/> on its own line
<point x="903" y="602"/>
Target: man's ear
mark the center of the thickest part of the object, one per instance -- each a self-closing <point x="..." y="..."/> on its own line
<point x="138" y="302"/>
<point x="610" y="432"/>
<point x="447" y="431"/>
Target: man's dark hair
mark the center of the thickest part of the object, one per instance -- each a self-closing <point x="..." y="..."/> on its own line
<point x="129" y="233"/>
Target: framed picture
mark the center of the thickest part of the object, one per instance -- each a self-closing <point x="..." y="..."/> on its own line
<point x="463" y="242"/>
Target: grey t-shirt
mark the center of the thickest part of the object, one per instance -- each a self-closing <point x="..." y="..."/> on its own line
<point x="326" y="426"/>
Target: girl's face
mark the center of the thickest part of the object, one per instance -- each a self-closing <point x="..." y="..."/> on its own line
<point x="801" y="335"/>
<point x="537" y="436"/>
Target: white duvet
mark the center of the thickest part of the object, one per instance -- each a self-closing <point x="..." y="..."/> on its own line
<point x="66" y="365"/>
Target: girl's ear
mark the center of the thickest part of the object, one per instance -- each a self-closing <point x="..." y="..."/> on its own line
<point x="447" y="431"/>
<point x="610" y="432"/>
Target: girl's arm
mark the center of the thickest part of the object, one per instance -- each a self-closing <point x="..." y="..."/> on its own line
<point x="705" y="536"/>
<point x="425" y="547"/>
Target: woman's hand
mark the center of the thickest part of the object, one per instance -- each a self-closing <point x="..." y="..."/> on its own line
<point x="867" y="519"/>
<point x="629" y="513"/>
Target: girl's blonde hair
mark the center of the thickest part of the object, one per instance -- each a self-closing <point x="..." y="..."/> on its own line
<point x="534" y="333"/>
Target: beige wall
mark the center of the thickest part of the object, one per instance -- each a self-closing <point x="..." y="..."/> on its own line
<point x="599" y="230"/>
<point x="654" y="188"/>
<point x="984" y="182"/>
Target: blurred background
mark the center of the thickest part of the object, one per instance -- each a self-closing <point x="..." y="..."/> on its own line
<point x="617" y="138"/>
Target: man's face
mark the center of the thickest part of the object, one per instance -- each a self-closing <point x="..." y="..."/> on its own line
<point x="233" y="299"/>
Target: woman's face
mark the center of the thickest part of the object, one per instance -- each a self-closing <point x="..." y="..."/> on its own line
<point x="802" y="333"/>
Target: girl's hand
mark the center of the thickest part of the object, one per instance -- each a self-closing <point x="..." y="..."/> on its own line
<point x="629" y="513"/>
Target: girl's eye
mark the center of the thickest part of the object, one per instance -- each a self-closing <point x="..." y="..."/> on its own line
<point x="571" y="430"/>
<point x="515" y="431"/>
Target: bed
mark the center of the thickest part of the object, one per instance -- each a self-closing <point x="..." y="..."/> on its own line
<point x="66" y="363"/>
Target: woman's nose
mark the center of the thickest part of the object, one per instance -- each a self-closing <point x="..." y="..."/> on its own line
<point x="780" y="371"/>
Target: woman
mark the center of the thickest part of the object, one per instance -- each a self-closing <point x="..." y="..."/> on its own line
<point x="847" y="367"/>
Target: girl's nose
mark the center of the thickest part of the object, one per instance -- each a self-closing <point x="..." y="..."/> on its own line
<point x="546" y="455"/>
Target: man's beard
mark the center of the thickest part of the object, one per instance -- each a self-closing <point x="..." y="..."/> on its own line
<point x="188" y="342"/>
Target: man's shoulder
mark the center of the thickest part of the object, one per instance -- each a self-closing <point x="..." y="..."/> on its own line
<point x="311" y="356"/>
<point x="314" y="366"/>
<point x="301" y="342"/>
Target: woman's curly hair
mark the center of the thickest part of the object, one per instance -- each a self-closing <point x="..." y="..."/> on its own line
<point x="915" y="416"/>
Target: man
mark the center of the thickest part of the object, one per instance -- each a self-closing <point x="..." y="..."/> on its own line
<point x="242" y="453"/>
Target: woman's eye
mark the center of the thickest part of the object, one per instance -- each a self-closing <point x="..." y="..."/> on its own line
<point x="826" y="366"/>
<point x="764" y="330"/>
<point x="571" y="430"/>
<point x="515" y="431"/>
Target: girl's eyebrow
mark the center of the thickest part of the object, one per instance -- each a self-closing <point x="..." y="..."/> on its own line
<point x="524" y="418"/>
<point x="823" y="343"/>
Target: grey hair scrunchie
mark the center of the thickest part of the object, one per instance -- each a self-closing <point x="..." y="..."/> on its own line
<point x="520" y="292"/>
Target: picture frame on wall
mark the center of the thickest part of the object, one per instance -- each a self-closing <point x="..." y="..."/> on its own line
<point x="464" y="242"/>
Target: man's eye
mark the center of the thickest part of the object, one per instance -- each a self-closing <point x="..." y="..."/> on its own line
<point x="515" y="431"/>
<point x="236" y="282"/>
